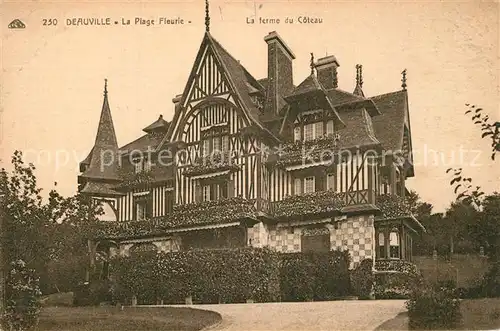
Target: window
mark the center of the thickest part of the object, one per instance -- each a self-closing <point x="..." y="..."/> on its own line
<point x="308" y="132"/>
<point x="304" y="185"/>
<point x="297" y="186"/>
<point x="206" y="147"/>
<point x="169" y="202"/>
<point x="225" y="143"/>
<point x="318" y="130"/>
<point x="296" y="133"/>
<point x="214" y="191"/>
<point x="329" y="127"/>
<point x="141" y="210"/>
<point x="217" y="144"/>
<point x="381" y="245"/>
<point x="330" y="182"/>
<point x="146" y="165"/>
<point x="206" y="193"/>
<point x="394" y="244"/>
<point x="138" y="166"/>
<point x="309" y="185"/>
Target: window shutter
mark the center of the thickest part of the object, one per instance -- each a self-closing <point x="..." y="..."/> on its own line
<point x="230" y="188"/>
<point x="329" y="127"/>
<point x="330" y="181"/>
<point x="169" y="202"/>
<point x="297" y="186"/>
<point x="198" y="197"/>
<point x="296" y="133"/>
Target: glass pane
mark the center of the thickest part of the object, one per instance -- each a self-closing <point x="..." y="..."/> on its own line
<point x="217" y="145"/>
<point x="394" y="239"/>
<point x="329" y="127"/>
<point x="381" y="239"/>
<point x="296" y="133"/>
<point x="330" y="182"/>
<point x="308" y="132"/>
<point x="309" y="185"/>
<point x="206" y="193"/>
<point x="297" y="186"/>
<point x="318" y="128"/>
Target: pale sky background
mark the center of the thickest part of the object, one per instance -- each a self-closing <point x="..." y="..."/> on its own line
<point x="52" y="76"/>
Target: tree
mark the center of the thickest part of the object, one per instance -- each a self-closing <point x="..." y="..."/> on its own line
<point x="48" y="236"/>
<point x="486" y="230"/>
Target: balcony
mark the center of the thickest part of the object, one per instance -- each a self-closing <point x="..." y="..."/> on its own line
<point x="303" y="152"/>
<point x="203" y="214"/>
<point x="393" y="207"/>
<point x="321" y="203"/>
<point x="216" y="162"/>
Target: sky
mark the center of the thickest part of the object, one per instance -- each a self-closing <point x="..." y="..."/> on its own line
<point x="53" y="75"/>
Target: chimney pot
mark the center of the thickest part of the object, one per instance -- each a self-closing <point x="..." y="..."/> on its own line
<point x="326" y="69"/>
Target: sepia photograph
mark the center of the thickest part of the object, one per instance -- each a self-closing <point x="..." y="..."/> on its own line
<point x="249" y="165"/>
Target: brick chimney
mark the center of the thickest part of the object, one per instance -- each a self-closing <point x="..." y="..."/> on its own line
<point x="279" y="72"/>
<point x="326" y="69"/>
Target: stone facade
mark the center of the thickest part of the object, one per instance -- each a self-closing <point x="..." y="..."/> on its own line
<point x="356" y="234"/>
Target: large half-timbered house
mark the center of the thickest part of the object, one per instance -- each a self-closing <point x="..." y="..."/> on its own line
<point x="260" y="162"/>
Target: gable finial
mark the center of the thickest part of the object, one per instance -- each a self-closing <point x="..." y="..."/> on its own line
<point x="105" y="87"/>
<point x="207" y="17"/>
<point x="360" y="75"/>
<point x="357" y="74"/>
<point x="403" y="80"/>
<point x="312" y="63"/>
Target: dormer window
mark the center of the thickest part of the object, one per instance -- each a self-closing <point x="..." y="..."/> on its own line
<point x="313" y="131"/>
<point x="305" y="185"/>
<point x="138" y="166"/>
<point x="141" y="164"/>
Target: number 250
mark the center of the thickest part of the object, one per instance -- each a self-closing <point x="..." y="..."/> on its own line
<point x="50" y="21"/>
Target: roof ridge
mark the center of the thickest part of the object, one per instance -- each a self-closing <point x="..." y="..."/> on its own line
<point x="387" y="94"/>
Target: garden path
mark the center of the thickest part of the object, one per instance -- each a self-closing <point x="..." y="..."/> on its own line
<point x="305" y="316"/>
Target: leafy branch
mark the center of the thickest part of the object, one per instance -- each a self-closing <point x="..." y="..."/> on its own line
<point x="488" y="129"/>
<point x="463" y="187"/>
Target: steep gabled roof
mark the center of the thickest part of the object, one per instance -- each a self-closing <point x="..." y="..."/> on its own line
<point x="159" y="125"/>
<point x="147" y="142"/>
<point x="102" y="163"/>
<point x="358" y="131"/>
<point x="241" y="81"/>
<point x="389" y="126"/>
<point x="100" y="189"/>
<point x="310" y="84"/>
<point x="338" y="96"/>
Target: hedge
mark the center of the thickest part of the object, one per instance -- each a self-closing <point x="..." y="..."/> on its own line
<point x="208" y="276"/>
<point x="230" y="276"/>
<point x="315" y="276"/>
<point x="362" y="279"/>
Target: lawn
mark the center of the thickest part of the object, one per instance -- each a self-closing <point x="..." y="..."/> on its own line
<point x="128" y="319"/>
<point x="477" y="314"/>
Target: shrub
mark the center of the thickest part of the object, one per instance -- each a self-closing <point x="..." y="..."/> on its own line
<point x="433" y="307"/>
<point x="490" y="284"/>
<point x="315" y="276"/>
<point x="22" y="298"/>
<point x="362" y="279"/>
<point x="397" y="285"/>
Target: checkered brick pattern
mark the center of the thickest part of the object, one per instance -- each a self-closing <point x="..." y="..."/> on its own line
<point x="258" y="236"/>
<point x="286" y="239"/>
<point x="355" y="234"/>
